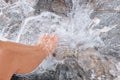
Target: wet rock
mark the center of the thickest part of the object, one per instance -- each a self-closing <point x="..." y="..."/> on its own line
<point x="69" y="70"/>
<point x="2" y="4"/>
<point x="12" y="17"/>
<point x="109" y="16"/>
<point x="43" y="5"/>
<point x="9" y="28"/>
<point x="61" y="6"/>
<point x="86" y="66"/>
<point x="58" y="6"/>
<point x="10" y="1"/>
<point x="111" y="40"/>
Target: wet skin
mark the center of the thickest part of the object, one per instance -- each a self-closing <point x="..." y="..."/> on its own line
<point x="22" y="59"/>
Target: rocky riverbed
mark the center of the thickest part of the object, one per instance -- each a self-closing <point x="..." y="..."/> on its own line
<point x="88" y="31"/>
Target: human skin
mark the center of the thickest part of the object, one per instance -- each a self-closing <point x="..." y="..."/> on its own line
<point x="22" y="59"/>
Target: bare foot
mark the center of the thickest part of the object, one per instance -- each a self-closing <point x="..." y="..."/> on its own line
<point x="20" y="58"/>
<point x="49" y="43"/>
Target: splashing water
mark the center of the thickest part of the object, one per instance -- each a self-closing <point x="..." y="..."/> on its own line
<point x="75" y="32"/>
<point x="71" y="30"/>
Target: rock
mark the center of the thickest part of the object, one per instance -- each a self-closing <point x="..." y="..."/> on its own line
<point x="11" y="18"/>
<point x="69" y="70"/>
<point x="10" y="1"/>
<point x="109" y="15"/>
<point x="58" y="6"/>
<point x="86" y="66"/>
<point x="43" y="5"/>
<point x="61" y="6"/>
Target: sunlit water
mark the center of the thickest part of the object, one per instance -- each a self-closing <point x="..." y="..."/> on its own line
<point x="75" y="32"/>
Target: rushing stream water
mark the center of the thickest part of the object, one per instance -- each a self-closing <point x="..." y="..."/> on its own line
<point x="76" y="31"/>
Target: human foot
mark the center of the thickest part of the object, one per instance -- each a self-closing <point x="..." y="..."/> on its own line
<point x="48" y="43"/>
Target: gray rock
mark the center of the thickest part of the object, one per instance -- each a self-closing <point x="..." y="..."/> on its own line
<point x="111" y="40"/>
<point x="62" y="7"/>
<point x="108" y="13"/>
<point x="70" y="70"/>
